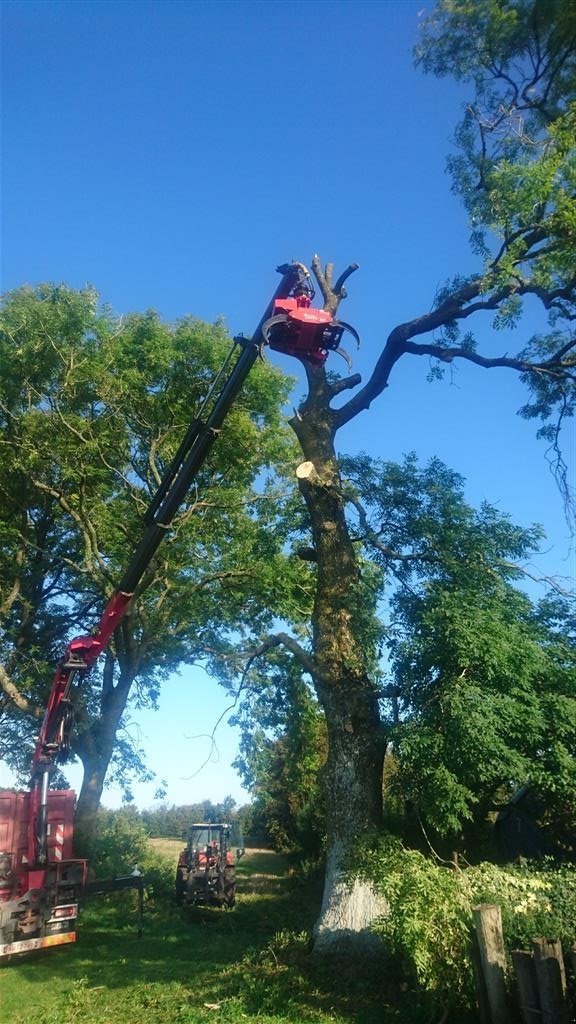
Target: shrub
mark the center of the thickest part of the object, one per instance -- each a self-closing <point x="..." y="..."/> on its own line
<point x="430" y="919"/>
<point x="120" y="842"/>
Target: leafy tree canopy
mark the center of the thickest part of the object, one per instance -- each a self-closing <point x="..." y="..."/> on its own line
<point x="92" y="410"/>
<point x="515" y="171"/>
<point x="477" y="682"/>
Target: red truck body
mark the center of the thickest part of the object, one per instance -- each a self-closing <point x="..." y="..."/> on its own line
<point x="38" y="905"/>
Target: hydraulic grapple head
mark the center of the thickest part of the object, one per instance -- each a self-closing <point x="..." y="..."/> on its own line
<point x="297" y="329"/>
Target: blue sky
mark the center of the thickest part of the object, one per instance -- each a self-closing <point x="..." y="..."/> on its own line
<point x="172" y="154"/>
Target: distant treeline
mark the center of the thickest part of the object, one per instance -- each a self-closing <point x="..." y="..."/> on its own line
<point x="171" y="822"/>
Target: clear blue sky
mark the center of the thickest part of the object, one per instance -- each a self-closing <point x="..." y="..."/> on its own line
<point x="172" y="154"/>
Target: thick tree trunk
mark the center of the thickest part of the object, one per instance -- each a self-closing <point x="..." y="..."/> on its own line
<point x="353" y="784"/>
<point x="95" y="747"/>
<point x="353" y="780"/>
<point x="85" y="820"/>
<point x="353" y="774"/>
<point x="349" y="909"/>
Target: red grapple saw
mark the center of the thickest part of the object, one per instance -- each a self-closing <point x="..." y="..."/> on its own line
<point x="297" y="329"/>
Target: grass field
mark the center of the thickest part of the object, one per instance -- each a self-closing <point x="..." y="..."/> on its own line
<point x="251" y="965"/>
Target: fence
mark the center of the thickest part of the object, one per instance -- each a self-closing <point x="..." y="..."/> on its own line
<point x="540" y="992"/>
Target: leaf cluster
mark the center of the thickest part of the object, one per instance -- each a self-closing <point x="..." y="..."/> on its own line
<point x="430" y="918"/>
<point x="514" y="168"/>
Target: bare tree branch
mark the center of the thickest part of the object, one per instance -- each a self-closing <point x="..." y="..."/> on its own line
<point x="457" y="307"/>
<point x="14" y="695"/>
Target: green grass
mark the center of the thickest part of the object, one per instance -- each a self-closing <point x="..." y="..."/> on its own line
<point x="251" y="965"/>
<point x="168" y="848"/>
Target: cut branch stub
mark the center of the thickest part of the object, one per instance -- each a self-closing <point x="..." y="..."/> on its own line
<point x="307" y="471"/>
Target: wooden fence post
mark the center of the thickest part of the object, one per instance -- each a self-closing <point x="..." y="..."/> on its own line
<point x="484" y="1014"/>
<point x="525" y="971"/>
<point x="551" y="978"/>
<point x="488" y="921"/>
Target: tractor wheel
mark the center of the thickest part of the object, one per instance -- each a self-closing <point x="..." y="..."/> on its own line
<point x="230" y="886"/>
<point x="179" y="887"/>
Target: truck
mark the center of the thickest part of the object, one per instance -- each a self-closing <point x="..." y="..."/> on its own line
<point x="41" y="882"/>
<point x="38" y="903"/>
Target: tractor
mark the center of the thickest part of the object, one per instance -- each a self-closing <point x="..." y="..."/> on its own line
<point x="206" y="872"/>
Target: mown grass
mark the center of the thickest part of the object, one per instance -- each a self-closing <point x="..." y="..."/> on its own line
<point x="251" y="965"/>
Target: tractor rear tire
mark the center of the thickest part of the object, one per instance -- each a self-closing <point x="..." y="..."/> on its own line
<point x="179" y="887"/>
<point x="230" y="886"/>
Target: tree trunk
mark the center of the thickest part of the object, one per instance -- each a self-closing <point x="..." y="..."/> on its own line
<point x="353" y="796"/>
<point x="349" y="909"/>
<point x="85" y="820"/>
<point x="356" y="743"/>
<point x="95" y="747"/>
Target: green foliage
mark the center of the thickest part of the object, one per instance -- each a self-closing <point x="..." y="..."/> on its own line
<point x="93" y="408"/>
<point x="119" y="844"/>
<point x="281" y="761"/>
<point x="430" y="919"/>
<point x="484" y="696"/>
<point x="169" y="820"/>
<point x="487" y="706"/>
<point x="116" y="847"/>
<point x="515" y="171"/>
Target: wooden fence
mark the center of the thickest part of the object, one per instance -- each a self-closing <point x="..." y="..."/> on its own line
<point x="541" y="991"/>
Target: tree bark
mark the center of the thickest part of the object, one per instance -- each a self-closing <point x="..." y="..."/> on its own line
<point x="356" y="743"/>
<point x="95" y="764"/>
<point x="95" y="747"/>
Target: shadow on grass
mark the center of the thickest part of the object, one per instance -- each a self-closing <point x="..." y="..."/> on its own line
<point x="252" y="963"/>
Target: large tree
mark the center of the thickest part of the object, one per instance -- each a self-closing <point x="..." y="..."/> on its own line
<point x="92" y="409"/>
<point x="516" y="174"/>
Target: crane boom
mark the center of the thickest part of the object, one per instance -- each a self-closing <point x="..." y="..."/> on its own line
<point x="83" y="651"/>
<point x="42" y="878"/>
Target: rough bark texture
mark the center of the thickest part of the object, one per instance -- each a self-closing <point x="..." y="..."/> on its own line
<point x="95" y="747"/>
<point x="353" y="774"/>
